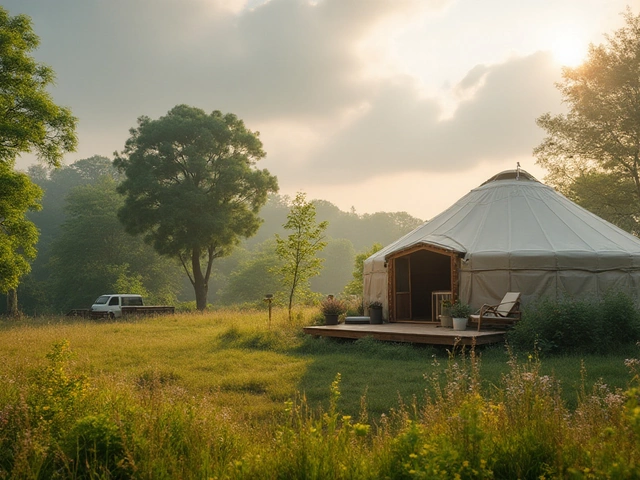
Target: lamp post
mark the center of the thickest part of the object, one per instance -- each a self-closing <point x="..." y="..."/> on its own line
<point x="269" y="298"/>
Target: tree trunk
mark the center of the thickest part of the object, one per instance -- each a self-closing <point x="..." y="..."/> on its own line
<point x="201" y="289"/>
<point x="200" y="283"/>
<point x="12" y="302"/>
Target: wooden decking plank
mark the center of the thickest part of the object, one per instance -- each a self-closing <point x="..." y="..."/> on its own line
<point x="408" y="332"/>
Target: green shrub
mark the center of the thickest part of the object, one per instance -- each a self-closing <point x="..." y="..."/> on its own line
<point x="55" y="391"/>
<point x="577" y="326"/>
<point x="95" y="446"/>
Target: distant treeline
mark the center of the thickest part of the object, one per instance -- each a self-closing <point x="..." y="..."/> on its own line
<point x="83" y="250"/>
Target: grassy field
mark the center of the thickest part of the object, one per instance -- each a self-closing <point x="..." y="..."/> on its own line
<point x="230" y="376"/>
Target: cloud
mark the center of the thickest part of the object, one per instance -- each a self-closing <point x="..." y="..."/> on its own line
<point x="286" y="60"/>
<point x="298" y="71"/>
<point x="402" y="131"/>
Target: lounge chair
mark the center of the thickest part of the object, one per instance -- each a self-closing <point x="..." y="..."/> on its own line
<point x="507" y="312"/>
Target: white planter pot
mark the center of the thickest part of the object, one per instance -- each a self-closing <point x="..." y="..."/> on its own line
<point x="460" y="323"/>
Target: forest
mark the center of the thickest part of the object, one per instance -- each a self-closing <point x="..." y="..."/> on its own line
<point x="84" y="251"/>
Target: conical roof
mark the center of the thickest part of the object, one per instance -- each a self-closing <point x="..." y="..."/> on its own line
<point x="512" y="221"/>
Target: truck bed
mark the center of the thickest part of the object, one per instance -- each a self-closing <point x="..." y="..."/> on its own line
<point x="148" y="310"/>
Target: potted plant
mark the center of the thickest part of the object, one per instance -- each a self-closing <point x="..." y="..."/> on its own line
<point x="375" y="312"/>
<point x="460" y="314"/>
<point x="445" y="315"/>
<point x="332" y="308"/>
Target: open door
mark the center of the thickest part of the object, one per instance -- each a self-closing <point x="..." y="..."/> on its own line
<point x="416" y="274"/>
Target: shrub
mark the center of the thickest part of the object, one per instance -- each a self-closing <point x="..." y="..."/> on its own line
<point x="55" y="391"/>
<point x="332" y="306"/>
<point x="577" y="326"/>
<point x="460" y="310"/>
<point x="95" y="446"/>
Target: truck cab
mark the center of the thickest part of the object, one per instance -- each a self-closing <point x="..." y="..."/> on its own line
<point x="113" y="303"/>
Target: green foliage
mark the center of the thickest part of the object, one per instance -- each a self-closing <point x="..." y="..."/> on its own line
<point x="253" y="278"/>
<point x="372" y="348"/>
<point x="314" y="444"/>
<point x="97" y="448"/>
<point x="333" y="306"/>
<point x="55" y="390"/>
<point x="18" y="236"/>
<point x="460" y="310"/>
<point x="298" y="252"/>
<point x="150" y="422"/>
<point x="29" y="119"/>
<point x="592" y="152"/>
<point x="130" y="283"/>
<point x="93" y="255"/>
<point x="577" y="326"/>
<point x="78" y="224"/>
<point x="360" y="229"/>
<point x="356" y="286"/>
<point x="191" y="187"/>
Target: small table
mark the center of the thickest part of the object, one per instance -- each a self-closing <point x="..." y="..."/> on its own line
<point x="436" y="303"/>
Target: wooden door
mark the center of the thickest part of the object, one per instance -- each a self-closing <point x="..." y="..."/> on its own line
<point x="402" y="288"/>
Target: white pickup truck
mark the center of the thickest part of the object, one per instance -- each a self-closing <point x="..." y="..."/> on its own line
<point x="116" y="305"/>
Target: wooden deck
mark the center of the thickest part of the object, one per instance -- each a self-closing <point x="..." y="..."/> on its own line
<point x="428" y="333"/>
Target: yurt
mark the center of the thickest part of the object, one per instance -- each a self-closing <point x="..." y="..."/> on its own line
<point x="511" y="234"/>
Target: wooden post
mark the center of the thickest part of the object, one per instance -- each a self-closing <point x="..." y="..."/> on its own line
<point x="269" y="298"/>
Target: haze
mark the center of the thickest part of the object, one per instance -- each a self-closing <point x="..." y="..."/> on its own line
<point x="375" y="105"/>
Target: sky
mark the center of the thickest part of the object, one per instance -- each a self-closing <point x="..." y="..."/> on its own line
<point x="373" y="105"/>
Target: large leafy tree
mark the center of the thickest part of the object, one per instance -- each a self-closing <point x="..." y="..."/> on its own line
<point x="29" y="119"/>
<point x="191" y="187"/>
<point x="29" y="122"/>
<point x="592" y="152"/>
<point x="299" y="250"/>
<point x="18" y="235"/>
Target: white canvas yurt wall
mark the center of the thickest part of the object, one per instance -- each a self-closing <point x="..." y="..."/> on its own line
<point x="514" y="233"/>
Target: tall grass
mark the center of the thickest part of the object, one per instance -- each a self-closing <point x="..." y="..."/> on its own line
<point x="224" y="396"/>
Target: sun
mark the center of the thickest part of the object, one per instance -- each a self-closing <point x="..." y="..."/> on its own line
<point x="569" y="50"/>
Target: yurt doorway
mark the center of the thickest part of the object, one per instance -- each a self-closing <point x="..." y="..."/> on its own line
<point x="416" y="276"/>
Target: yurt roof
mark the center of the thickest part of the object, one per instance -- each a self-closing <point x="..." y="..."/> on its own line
<point x="514" y="221"/>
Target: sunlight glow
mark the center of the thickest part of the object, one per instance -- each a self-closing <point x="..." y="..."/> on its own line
<point x="569" y="50"/>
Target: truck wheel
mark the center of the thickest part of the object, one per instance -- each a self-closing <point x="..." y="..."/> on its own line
<point x="112" y="316"/>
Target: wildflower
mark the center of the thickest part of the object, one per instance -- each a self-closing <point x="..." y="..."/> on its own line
<point x="361" y="429"/>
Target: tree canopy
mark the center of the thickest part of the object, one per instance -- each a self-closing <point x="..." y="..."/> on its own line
<point x="93" y="255"/>
<point x="29" y="119"/>
<point x="592" y="152"/>
<point x="191" y="187"/>
<point x="18" y="236"/>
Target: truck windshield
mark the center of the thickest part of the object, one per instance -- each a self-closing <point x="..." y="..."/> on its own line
<point x="102" y="300"/>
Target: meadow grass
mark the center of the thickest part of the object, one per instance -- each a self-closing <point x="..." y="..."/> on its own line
<point x="226" y="395"/>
